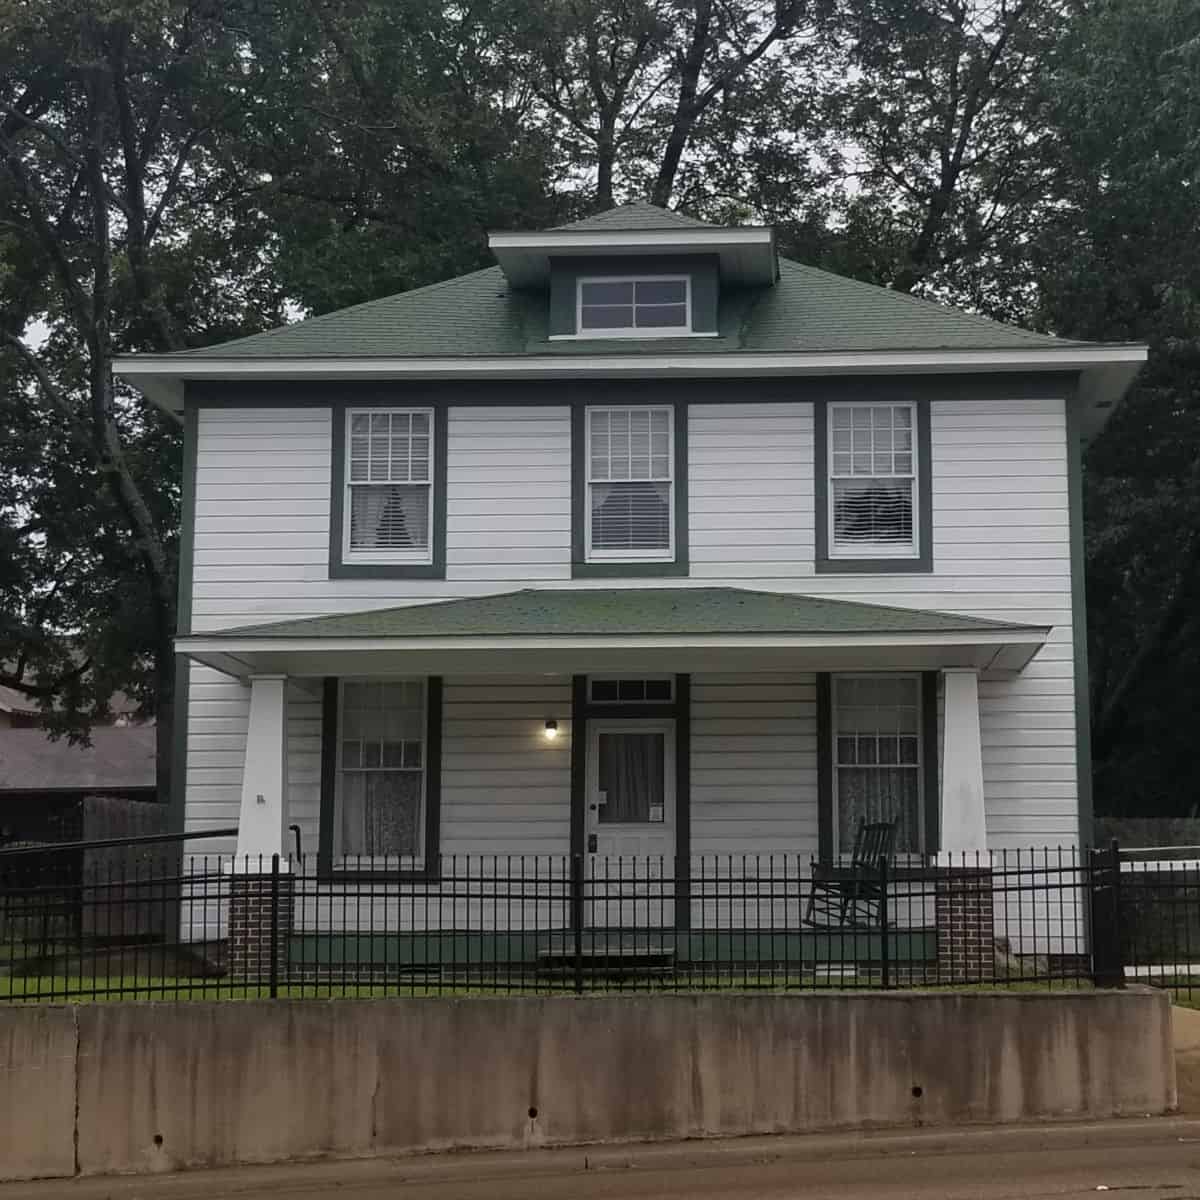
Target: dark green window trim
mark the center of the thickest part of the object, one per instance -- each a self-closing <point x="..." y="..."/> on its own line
<point x="930" y="787"/>
<point x="923" y="563"/>
<point x="1079" y="634"/>
<point x="431" y="570"/>
<point x="679" y="711"/>
<point x="580" y="567"/>
<point x="433" y="786"/>
<point x="177" y="805"/>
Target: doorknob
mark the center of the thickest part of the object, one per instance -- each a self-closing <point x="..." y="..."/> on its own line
<point x="592" y="841"/>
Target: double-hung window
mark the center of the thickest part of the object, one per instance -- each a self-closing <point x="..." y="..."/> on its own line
<point x="379" y="812"/>
<point x="651" y="306"/>
<point x="388" y="505"/>
<point x="630" y="485"/>
<point x="873" y="503"/>
<point x="877" y="756"/>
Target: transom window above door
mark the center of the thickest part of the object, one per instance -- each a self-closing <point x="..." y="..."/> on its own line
<point x="630" y="484"/>
<point x="650" y="306"/>
<point x="388" y="508"/>
<point x="656" y="689"/>
<point x="872" y="481"/>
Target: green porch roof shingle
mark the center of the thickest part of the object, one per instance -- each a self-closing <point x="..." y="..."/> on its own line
<point x="480" y="314"/>
<point x="576" y="612"/>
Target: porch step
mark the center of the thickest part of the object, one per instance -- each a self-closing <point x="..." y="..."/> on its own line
<point x="607" y="960"/>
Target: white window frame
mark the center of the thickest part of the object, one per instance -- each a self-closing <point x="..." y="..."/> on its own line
<point x="648" y="555"/>
<point x="881" y="550"/>
<point x="363" y="862"/>
<point x="416" y="557"/>
<point x="594" y="679"/>
<point x="632" y="331"/>
<point x="907" y="857"/>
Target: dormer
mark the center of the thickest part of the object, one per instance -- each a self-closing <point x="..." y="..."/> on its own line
<point x="636" y="272"/>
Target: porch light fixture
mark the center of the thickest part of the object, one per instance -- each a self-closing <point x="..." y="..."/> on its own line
<point x="551" y="730"/>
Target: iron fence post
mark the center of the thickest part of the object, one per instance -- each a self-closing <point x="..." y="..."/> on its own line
<point x="885" y="964"/>
<point x="274" y="951"/>
<point x="1108" y="967"/>
<point x="577" y="917"/>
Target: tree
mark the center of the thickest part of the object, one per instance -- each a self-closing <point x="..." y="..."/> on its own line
<point x="947" y="155"/>
<point x="392" y="138"/>
<point x="1118" y="258"/>
<point x="111" y="128"/>
<point x="626" y="86"/>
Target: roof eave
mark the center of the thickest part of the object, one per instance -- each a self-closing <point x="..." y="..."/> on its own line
<point x="1003" y="649"/>
<point x="747" y="254"/>
<point x="1107" y="370"/>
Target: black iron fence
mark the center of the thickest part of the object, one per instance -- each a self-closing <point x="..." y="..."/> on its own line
<point x="143" y="918"/>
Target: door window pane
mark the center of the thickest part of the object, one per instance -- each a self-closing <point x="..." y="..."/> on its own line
<point x="632" y="778"/>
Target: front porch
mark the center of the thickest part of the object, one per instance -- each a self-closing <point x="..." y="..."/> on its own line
<point x="691" y="751"/>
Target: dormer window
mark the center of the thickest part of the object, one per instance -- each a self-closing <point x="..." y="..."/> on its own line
<point x="634" y="306"/>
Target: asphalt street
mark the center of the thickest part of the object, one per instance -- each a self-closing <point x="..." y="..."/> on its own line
<point x="1132" y="1159"/>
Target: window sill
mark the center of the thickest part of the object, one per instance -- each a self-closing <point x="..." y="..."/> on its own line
<point x="386" y="570"/>
<point x="874" y="566"/>
<point x="632" y="335"/>
<point x="632" y="569"/>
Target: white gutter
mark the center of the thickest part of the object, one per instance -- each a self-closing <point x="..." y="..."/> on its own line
<point x="566" y="240"/>
<point x="252" y="644"/>
<point x="160" y="377"/>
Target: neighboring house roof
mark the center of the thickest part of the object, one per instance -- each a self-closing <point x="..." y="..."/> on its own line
<point x="13" y="701"/>
<point x="119" y="758"/>
<point x="623" y="612"/>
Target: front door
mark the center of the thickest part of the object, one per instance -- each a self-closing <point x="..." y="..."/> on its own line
<point x="630" y="824"/>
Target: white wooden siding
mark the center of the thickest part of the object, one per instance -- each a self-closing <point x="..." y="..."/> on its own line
<point x="754" y="764"/>
<point x="1000" y="546"/>
<point x="505" y="788"/>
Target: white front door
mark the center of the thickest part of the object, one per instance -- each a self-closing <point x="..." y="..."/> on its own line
<point x="630" y="825"/>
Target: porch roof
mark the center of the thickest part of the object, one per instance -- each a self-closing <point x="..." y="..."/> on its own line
<point x="605" y="629"/>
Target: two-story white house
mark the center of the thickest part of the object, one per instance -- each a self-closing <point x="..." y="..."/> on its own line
<point x="643" y="541"/>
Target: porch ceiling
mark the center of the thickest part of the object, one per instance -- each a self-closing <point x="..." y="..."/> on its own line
<point x="563" y="631"/>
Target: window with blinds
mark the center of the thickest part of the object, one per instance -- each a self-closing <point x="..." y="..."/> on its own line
<point x="380" y="810"/>
<point x="389" y="486"/>
<point x="872" y="481"/>
<point x="631" y="488"/>
<point x="877" y="756"/>
<point x="653" y="306"/>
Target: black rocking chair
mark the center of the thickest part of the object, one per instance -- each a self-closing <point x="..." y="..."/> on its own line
<point x="849" y="897"/>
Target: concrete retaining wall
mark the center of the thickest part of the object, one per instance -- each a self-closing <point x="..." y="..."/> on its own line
<point x="135" y="1087"/>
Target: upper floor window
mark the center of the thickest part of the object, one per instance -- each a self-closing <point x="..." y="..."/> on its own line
<point x="630" y="484"/>
<point x="388" y="509"/>
<point x="872" y="459"/>
<point x="650" y="306"/>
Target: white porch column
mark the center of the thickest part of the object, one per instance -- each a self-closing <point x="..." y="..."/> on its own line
<point x="264" y="778"/>
<point x="962" y="816"/>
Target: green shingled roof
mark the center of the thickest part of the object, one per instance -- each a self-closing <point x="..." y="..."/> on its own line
<point x="807" y="311"/>
<point x="625" y="612"/>
<point x="638" y="215"/>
